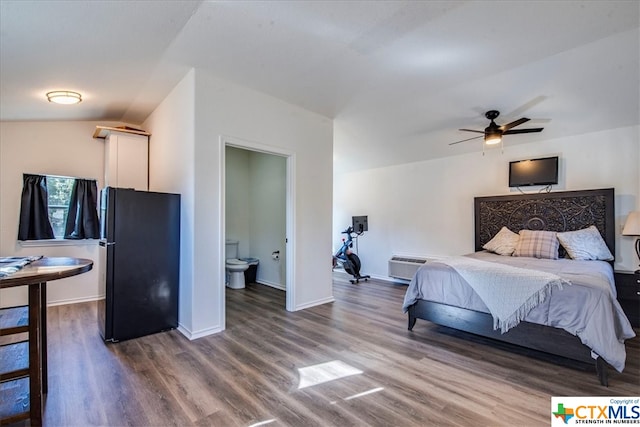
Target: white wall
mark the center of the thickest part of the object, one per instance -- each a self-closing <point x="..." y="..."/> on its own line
<point x="224" y="109"/>
<point x="50" y="148"/>
<point x="238" y="205"/>
<point x="267" y="200"/>
<point x="426" y="208"/>
<point x="171" y="170"/>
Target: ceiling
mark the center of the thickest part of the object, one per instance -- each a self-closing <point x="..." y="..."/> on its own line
<point x="398" y="77"/>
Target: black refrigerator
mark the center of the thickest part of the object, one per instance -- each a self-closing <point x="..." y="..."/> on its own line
<point x="139" y="262"/>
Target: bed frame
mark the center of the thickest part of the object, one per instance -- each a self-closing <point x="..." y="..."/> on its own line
<point x="558" y="211"/>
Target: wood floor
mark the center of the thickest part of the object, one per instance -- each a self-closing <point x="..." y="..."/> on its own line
<point x="249" y="374"/>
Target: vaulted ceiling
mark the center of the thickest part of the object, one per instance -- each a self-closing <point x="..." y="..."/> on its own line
<point x="398" y="77"/>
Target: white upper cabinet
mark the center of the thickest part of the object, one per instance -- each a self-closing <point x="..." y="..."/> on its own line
<point x="126" y="158"/>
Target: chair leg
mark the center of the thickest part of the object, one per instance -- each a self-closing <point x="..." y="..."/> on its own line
<point x="35" y="357"/>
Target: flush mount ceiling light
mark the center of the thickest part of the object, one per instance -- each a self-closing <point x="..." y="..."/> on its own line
<point x="64" y="97"/>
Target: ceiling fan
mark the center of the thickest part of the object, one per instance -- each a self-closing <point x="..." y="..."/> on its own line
<point x="493" y="133"/>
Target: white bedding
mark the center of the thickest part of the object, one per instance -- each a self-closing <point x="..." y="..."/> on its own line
<point x="587" y="308"/>
<point x="509" y="292"/>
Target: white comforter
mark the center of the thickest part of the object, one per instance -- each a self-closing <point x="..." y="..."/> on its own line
<point x="587" y="308"/>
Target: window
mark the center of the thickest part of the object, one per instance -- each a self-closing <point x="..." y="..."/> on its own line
<point x="58" y="207"/>
<point x="58" y="196"/>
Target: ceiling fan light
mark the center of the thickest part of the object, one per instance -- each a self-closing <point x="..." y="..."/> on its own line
<point x="491" y="139"/>
<point x="65" y="97"/>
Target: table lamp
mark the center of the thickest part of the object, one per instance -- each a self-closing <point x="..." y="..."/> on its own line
<point x="632" y="228"/>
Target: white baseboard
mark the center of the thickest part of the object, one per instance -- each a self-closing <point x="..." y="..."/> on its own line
<point x="393" y="280"/>
<point x="314" y="303"/>
<point x="302" y="306"/>
<point x="272" y="285"/>
<point x="198" y="334"/>
<point x="184" y="331"/>
<point x="74" y="300"/>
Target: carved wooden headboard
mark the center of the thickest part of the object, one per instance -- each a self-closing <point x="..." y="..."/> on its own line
<point x="558" y="211"/>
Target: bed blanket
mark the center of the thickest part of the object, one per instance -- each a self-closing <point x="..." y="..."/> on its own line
<point x="509" y="293"/>
<point x="588" y="308"/>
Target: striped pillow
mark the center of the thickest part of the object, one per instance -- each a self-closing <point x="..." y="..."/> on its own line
<point x="537" y="244"/>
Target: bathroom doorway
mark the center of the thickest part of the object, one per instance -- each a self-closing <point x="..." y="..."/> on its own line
<point x="258" y="210"/>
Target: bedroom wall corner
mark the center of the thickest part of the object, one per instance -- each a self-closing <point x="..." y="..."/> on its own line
<point x="171" y="158"/>
<point x="65" y="148"/>
<point x="226" y="110"/>
<point x="426" y="208"/>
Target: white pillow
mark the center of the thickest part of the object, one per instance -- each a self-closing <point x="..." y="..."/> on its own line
<point x="585" y="244"/>
<point x="503" y="243"/>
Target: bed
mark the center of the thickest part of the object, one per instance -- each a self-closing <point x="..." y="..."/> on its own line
<point x="578" y="318"/>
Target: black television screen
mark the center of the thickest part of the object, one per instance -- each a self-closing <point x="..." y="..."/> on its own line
<point x="533" y="172"/>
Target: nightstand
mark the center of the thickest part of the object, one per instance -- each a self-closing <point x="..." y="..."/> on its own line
<point x="628" y="288"/>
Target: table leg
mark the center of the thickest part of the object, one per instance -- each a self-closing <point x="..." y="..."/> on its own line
<point x="35" y="373"/>
<point x="43" y="336"/>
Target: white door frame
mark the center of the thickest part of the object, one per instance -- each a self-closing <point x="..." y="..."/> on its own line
<point x="290" y="242"/>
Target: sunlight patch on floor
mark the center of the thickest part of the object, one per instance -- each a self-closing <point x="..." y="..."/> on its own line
<point x="325" y="372"/>
<point x="364" y="393"/>
<point x="262" y="423"/>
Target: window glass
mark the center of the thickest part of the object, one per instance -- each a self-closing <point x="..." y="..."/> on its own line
<point x="59" y="193"/>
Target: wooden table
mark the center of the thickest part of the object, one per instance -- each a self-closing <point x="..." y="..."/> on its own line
<point x="35" y="275"/>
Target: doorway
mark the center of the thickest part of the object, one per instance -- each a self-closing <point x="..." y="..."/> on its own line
<point x="258" y="209"/>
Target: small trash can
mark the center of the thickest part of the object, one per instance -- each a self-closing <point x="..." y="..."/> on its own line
<point x="251" y="272"/>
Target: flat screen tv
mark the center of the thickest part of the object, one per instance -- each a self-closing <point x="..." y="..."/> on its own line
<point x="543" y="171"/>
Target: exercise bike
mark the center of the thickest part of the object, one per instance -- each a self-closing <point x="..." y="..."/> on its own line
<point x="349" y="261"/>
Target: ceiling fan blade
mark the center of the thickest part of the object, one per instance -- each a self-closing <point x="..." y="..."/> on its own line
<point x="468" y="139"/>
<point x="511" y="132"/>
<point x="526" y="106"/>
<point x="472" y="130"/>
<point x="514" y="124"/>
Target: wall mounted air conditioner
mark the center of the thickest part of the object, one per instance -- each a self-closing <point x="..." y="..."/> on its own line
<point x="402" y="267"/>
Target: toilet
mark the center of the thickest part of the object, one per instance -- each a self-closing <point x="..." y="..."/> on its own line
<point x="235" y="267"/>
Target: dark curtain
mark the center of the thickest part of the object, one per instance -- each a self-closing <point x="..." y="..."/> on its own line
<point x="34" y="209"/>
<point x="82" y="217"/>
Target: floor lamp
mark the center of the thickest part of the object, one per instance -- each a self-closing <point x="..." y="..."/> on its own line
<point x="632" y="228"/>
